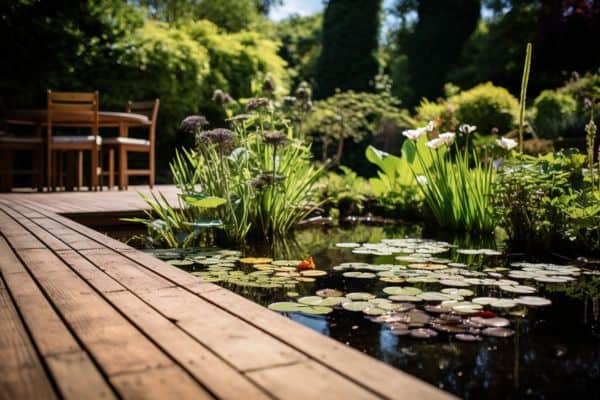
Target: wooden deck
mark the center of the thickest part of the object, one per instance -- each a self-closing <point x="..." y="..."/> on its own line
<point x="83" y="316"/>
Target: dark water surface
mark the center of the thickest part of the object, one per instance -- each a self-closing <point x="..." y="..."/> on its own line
<point x="554" y="354"/>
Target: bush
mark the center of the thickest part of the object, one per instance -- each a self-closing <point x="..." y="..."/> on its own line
<point x="554" y="113"/>
<point x="486" y="106"/>
<point x="561" y="112"/>
<point x="441" y="112"/>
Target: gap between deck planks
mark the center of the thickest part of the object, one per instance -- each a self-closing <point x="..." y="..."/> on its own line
<point x="222" y="344"/>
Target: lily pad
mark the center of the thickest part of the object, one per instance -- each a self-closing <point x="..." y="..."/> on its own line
<point x="498" y="332"/>
<point x="180" y="263"/>
<point x="286" y="306"/>
<point x="310" y="300"/>
<point x="255" y="260"/>
<point x="360" y="296"/>
<point x="356" y="305"/>
<point x="467" y="337"/>
<point x="523" y="289"/>
<point x="313" y="272"/>
<point x="329" y="293"/>
<point x="359" y="275"/>
<point x="316" y="310"/>
<point x="401" y="291"/>
<point x="423" y="333"/>
<point x="533" y="301"/>
<point x="347" y="245"/>
<point x="333" y="301"/>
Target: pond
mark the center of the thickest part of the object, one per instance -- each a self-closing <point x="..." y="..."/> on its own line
<point x="458" y="313"/>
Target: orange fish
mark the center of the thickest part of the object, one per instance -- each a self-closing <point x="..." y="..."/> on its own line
<point x="308" y="263"/>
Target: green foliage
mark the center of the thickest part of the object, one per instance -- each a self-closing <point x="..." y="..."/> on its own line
<point x="349" y="44"/>
<point x="236" y="57"/>
<point x="523" y="96"/>
<point x="345" y="192"/>
<point x="439" y="31"/>
<point x="561" y="112"/>
<point x="300" y="39"/>
<point x="458" y="190"/>
<point x="229" y="15"/>
<point x="353" y="116"/>
<point x="396" y="184"/>
<point x="543" y="200"/>
<point x="257" y="179"/>
<point x="554" y="113"/>
<point x="486" y="106"/>
<point x="441" y="112"/>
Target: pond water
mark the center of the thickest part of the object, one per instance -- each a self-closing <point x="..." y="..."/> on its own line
<point x="544" y="345"/>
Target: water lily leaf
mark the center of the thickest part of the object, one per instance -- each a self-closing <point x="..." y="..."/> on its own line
<point x="329" y="293"/>
<point x="533" y="301"/>
<point x="310" y="300"/>
<point x="286" y="306"/>
<point x="313" y="272"/>
<point x="399" y="290"/>
<point x="180" y="263"/>
<point x="255" y="260"/>
<point x="359" y="275"/>
<point x="360" y="296"/>
<point x="316" y="310"/>
<point x="333" y="301"/>
<point x="356" y="305"/>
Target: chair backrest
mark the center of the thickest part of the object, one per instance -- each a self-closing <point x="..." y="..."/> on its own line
<point x="80" y="106"/>
<point x="147" y="108"/>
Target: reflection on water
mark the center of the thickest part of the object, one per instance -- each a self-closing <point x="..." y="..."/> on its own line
<point x="555" y="352"/>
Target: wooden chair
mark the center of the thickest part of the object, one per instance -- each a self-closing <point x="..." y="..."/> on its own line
<point x="85" y="106"/>
<point x="122" y="145"/>
<point x="9" y="145"/>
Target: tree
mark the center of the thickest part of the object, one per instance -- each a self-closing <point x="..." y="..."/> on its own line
<point x="350" y="39"/>
<point x="435" y="45"/>
<point x="352" y="116"/>
<point x="300" y="45"/>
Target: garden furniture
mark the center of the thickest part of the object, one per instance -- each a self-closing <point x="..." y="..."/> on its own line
<point x="38" y="120"/>
<point x="123" y="144"/>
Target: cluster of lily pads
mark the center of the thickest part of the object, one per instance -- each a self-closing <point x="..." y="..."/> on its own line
<point x="221" y="266"/>
<point x="454" y="309"/>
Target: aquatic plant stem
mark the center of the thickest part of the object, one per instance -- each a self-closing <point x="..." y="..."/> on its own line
<point x="523" y="98"/>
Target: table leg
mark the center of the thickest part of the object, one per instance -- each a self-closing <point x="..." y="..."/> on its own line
<point x="94" y="169"/>
<point x="122" y="168"/>
<point x="79" y="170"/>
<point x="111" y="168"/>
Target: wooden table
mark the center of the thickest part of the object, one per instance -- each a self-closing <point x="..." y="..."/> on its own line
<point x="107" y="119"/>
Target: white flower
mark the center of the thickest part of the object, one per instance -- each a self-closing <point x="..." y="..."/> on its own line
<point x="435" y="143"/>
<point x="466" y="128"/>
<point x="446" y="138"/>
<point x="421" y="179"/>
<point x="506" y="143"/>
<point x="414" y="134"/>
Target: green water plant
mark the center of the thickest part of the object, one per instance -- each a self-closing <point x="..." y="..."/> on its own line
<point x="255" y="178"/>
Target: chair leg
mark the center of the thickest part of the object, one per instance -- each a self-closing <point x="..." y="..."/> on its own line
<point x="79" y="170"/>
<point x="70" y="171"/>
<point x="37" y="165"/>
<point x="94" y="169"/>
<point x="123" y="177"/>
<point x="6" y="174"/>
<point x="111" y="168"/>
<point x="152" y="169"/>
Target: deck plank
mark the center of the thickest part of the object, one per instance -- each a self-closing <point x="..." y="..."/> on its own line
<point x="308" y="380"/>
<point x="126" y="321"/>
<point x="22" y="375"/>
